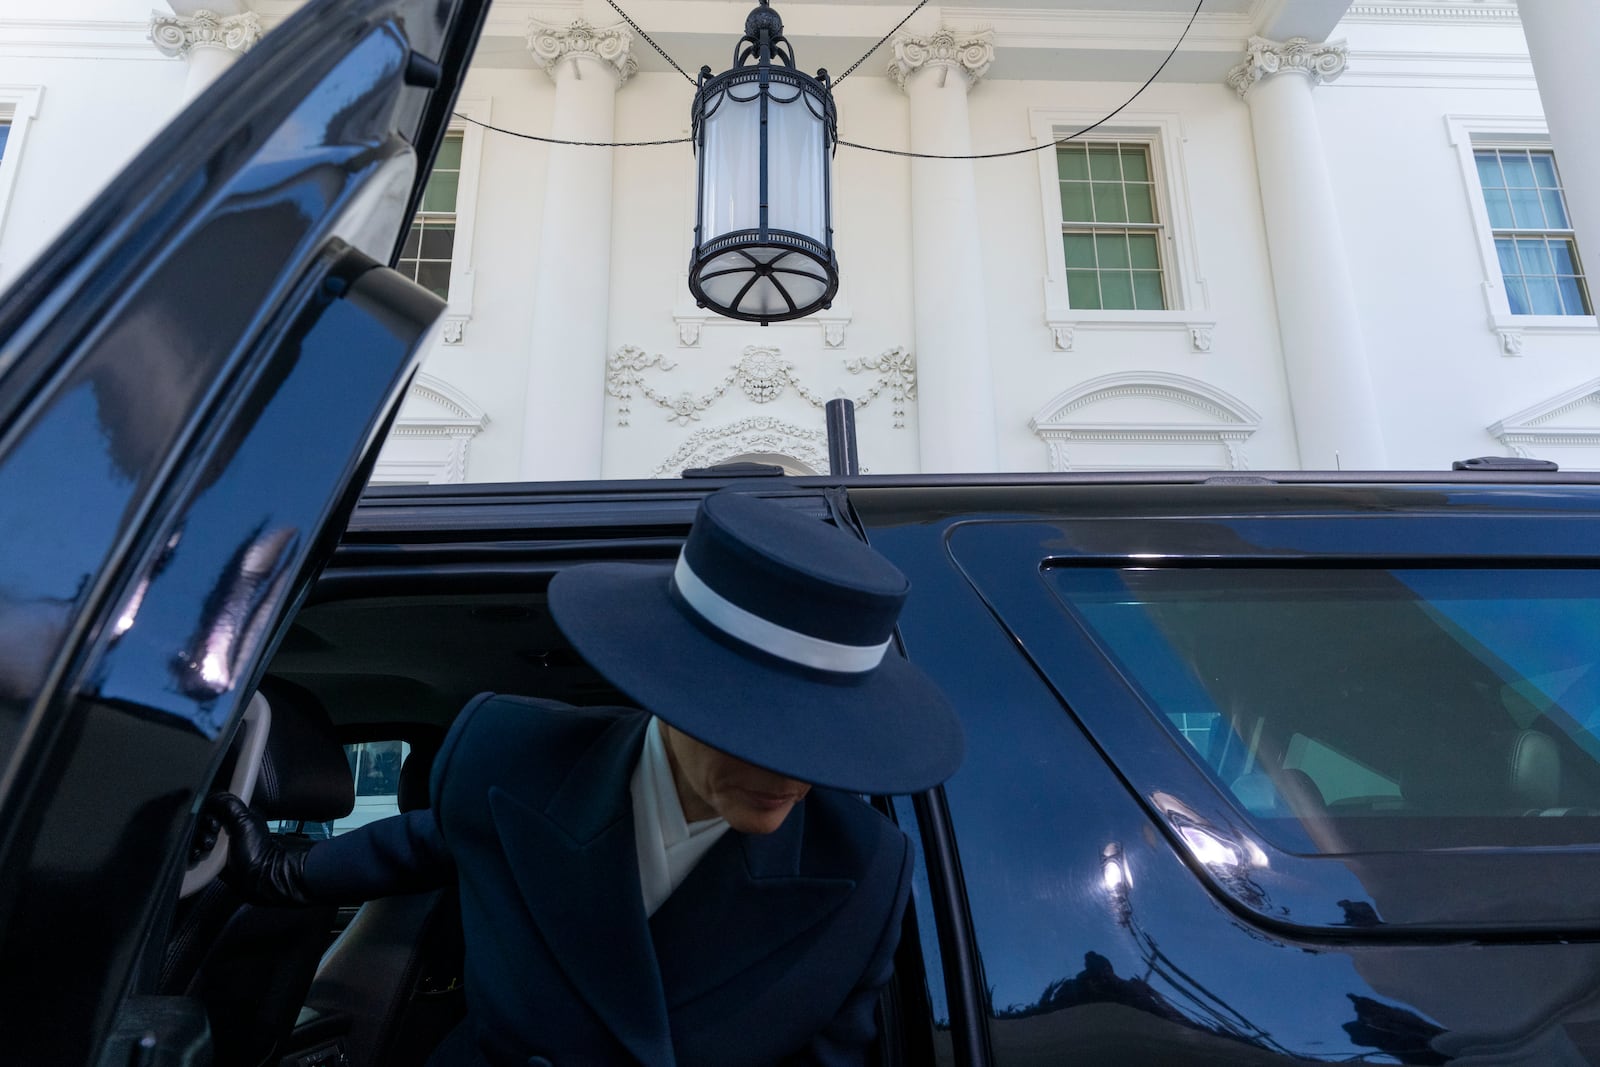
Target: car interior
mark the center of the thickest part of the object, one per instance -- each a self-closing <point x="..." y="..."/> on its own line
<point x="379" y="983"/>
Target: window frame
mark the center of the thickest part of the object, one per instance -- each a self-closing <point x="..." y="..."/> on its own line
<point x="1187" y="305"/>
<point x="1468" y="134"/>
<point x="19" y="106"/>
<point x="459" y="308"/>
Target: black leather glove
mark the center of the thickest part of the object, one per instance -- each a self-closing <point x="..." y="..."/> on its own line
<point x="260" y="867"/>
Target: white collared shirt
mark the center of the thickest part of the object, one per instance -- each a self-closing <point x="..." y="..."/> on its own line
<point x="668" y="847"/>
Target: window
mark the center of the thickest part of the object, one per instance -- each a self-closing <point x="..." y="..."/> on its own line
<point x="375" y="766"/>
<point x="18" y="106"/>
<point x="1110" y="232"/>
<point x="1533" y="236"/>
<point x="1120" y="250"/>
<point x="430" y="247"/>
<point x="5" y="131"/>
<point x="1371" y="710"/>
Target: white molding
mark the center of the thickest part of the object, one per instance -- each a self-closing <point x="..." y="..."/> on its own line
<point x="1529" y="429"/>
<point x="690" y="323"/>
<point x="1465" y="133"/>
<point x="1488" y="12"/>
<point x="77" y="39"/>
<point x="1186" y="288"/>
<point x="463" y="420"/>
<point x="758" y="436"/>
<point x="19" y="105"/>
<point x="462" y="274"/>
<point x="1230" y="422"/>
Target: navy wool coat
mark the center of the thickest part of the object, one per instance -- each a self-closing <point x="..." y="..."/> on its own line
<point x="772" y="951"/>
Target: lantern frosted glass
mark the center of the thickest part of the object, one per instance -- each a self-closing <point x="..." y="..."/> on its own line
<point x="764" y="134"/>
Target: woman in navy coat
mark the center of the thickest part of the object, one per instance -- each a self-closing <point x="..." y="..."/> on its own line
<point x="699" y="883"/>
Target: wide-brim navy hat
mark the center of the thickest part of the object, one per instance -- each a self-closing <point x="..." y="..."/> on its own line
<point x="770" y="639"/>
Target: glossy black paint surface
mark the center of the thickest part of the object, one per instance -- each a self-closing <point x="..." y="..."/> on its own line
<point x="192" y="382"/>
<point x="1100" y="939"/>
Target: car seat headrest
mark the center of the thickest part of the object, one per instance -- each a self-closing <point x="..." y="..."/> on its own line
<point x="304" y="772"/>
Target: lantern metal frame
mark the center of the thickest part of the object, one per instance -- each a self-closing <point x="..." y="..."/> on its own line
<point x="763" y="68"/>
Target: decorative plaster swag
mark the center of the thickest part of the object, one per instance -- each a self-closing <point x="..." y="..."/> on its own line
<point x="762" y="375"/>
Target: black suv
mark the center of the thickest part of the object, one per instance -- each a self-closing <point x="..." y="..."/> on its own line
<point x="1264" y="769"/>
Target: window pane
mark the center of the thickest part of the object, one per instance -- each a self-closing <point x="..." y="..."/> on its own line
<point x="1526" y="211"/>
<point x="441" y="192"/>
<point x="375" y="765"/>
<point x="449" y="157"/>
<point x="409" y="249"/>
<point x="1566" y="259"/>
<point x="1073" y="161"/>
<point x="1544" y="170"/>
<point x="1147" y="290"/>
<point x="436" y="277"/>
<point x="1544" y="296"/>
<point x="1116" y="290"/>
<point x="1574" y="300"/>
<point x="1112" y="249"/>
<point x="1135" y="163"/>
<point x="438" y="241"/>
<point x="1499" y="208"/>
<point x="1507" y="249"/>
<point x="5" y="132"/>
<point x="1083" y="289"/>
<point x="1555" y="210"/>
<point x="1519" y="171"/>
<point x="1517" y="295"/>
<point x="1108" y="206"/>
<point x="1534" y="255"/>
<point x="1075" y="204"/>
<point x="1489" y="170"/>
<point x="1144" y="252"/>
<point x="1079" y="248"/>
<point x="1104" y="163"/>
<point x="1414" y="688"/>
<point x="1141" y="208"/>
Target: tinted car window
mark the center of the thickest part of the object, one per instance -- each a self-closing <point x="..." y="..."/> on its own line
<point x="1354" y="710"/>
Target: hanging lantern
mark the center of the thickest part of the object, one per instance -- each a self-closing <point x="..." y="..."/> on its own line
<point x="764" y="135"/>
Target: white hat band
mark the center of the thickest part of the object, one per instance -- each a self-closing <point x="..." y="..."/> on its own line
<point x="769" y="637"/>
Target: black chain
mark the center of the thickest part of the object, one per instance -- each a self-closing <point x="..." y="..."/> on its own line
<point x="662" y="51"/>
<point x="852" y="68"/>
<point x="578" y="144"/>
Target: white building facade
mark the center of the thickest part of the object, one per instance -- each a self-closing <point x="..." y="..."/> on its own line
<point x="1332" y="234"/>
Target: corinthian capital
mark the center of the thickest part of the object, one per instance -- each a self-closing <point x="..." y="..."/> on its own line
<point x="969" y="52"/>
<point x="609" y="45"/>
<point x="178" y="35"/>
<point x="1264" y="58"/>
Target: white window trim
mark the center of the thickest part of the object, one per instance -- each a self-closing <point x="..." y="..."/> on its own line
<point x="1470" y="132"/>
<point x="19" y="105"/>
<point x="1186" y="289"/>
<point x="462" y="276"/>
<point x="1229" y="422"/>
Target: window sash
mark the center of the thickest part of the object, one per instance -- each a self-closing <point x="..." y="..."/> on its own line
<point x="1536" y="292"/>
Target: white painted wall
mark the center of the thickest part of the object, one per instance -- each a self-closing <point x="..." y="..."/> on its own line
<point x="1439" y="367"/>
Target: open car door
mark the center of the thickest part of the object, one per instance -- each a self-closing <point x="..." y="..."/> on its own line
<point x="194" y="381"/>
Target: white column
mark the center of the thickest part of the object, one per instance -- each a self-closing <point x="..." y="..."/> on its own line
<point x="562" y="432"/>
<point x="1563" y="42"/>
<point x="955" y="387"/>
<point x="1325" y="357"/>
<point x="210" y="42"/>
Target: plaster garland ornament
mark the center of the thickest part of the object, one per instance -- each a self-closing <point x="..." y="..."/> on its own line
<point x="609" y="45"/>
<point x="762" y="375"/>
<point x="1319" y="61"/>
<point x="970" y="52"/>
<point x="178" y="35"/>
<point x="1511" y="342"/>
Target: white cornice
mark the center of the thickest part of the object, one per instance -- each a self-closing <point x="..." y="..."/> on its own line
<point x="77" y="39"/>
<point x="1490" y="12"/>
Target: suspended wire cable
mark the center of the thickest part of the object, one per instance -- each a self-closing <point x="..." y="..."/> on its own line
<point x="649" y="41"/>
<point x="575" y="144"/>
<point x="1048" y="144"/>
<point x="852" y="144"/>
<point x="852" y="68"/>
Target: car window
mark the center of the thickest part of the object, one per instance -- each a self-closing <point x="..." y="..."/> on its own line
<point x="375" y="766"/>
<point x="1372" y="709"/>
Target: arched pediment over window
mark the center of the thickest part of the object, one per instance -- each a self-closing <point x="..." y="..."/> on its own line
<point x="431" y="435"/>
<point x="1565" y="428"/>
<point x="760" y="438"/>
<point x="1145" y="421"/>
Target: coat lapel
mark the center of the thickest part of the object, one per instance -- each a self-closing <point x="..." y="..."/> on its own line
<point x="575" y="866"/>
<point x="743" y="902"/>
